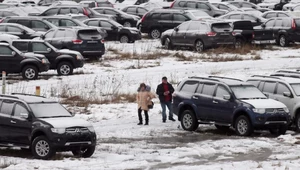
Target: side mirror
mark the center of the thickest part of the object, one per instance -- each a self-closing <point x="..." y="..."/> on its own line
<point x="176" y="29"/>
<point x="113" y="27"/>
<point x="267" y="95"/>
<point x="46" y="27"/>
<point x="49" y="49"/>
<point x="118" y="15"/>
<point x="73" y="114"/>
<point x="226" y="97"/>
<point x="292" y="9"/>
<point x="42" y="36"/>
<point x="24" y="115"/>
<point x="257" y="20"/>
<point x="13" y="53"/>
<point x="24" y="32"/>
<point x="287" y="94"/>
<point x="263" y="25"/>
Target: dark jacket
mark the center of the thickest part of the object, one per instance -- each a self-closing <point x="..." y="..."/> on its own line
<point x="160" y="92"/>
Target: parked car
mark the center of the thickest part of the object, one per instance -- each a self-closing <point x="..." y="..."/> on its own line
<point x="252" y="11"/>
<point x="283" y="89"/>
<point x="283" y="30"/>
<point x="6" y="13"/>
<point x="64" y="3"/>
<point x="96" y="3"/>
<point x="199" y="35"/>
<point x="5" y="38"/>
<point x="290" y="5"/>
<point x="135" y="10"/>
<point x="115" y="31"/>
<point x="273" y="4"/>
<point x="123" y="18"/>
<point x="243" y="33"/>
<point x="44" y="126"/>
<point x="225" y="6"/>
<point x="19" y="30"/>
<point x="34" y="23"/>
<point x="243" y="4"/>
<point x="228" y="102"/>
<point x="87" y="41"/>
<point x="275" y="14"/>
<point x="64" y="61"/>
<point x="256" y="20"/>
<point x="199" y="5"/>
<point x="157" y="21"/>
<point x="14" y="61"/>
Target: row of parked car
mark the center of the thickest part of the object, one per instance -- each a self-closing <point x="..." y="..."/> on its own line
<point x="260" y="103"/>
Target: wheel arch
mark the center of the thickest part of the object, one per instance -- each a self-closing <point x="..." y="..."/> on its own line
<point x="186" y="106"/>
<point x="239" y="113"/>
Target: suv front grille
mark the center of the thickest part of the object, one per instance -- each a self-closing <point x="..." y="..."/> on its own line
<point x="276" y="118"/>
<point x="275" y="111"/>
<point x="77" y="129"/>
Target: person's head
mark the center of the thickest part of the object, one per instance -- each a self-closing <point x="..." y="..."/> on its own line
<point x="142" y="86"/>
<point x="164" y="80"/>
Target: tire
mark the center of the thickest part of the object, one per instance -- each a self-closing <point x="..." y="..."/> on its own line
<point x="168" y="44"/>
<point x="155" y="33"/>
<point x="238" y="43"/>
<point x="127" y="24"/>
<point x="65" y="68"/>
<point x="279" y="131"/>
<point x="41" y="148"/>
<point x="30" y="72"/>
<point x="243" y="126"/>
<point x="84" y="152"/>
<point x="199" y="46"/>
<point x="283" y="42"/>
<point x="124" y="39"/>
<point x="189" y="121"/>
<point x="222" y="128"/>
<point x="297" y="122"/>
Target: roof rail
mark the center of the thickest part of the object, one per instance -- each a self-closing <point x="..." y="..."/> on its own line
<point x="286" y="75"/>
<point x="265" y="76"/>
<point x="8" y="96"/>
<point x="228" y="78"/>
<point x="286" y="71"/>
<point x="25" y="94"/>
<point x="204" y="78"/>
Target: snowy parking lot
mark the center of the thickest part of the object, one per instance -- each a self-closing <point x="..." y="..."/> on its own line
<point x="124" y="145"/>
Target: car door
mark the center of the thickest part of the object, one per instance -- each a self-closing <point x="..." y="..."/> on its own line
<point x="203" y="100"/>
<point x="20" y="127"/>
<point x="277" y="26"/>
<point x="119" y="18"/>
<point x="179" y="34"/>
<point x="58" y="38"/>
<point x="192" y="33"/>
<point x="166" y="21"/>
<point x="5" y="120"/>
<point x="41" y="48"/>
<point x="223" y="109"/>
<point x="37" y="25"/>
<point x="288" y="101"/>
<point x="265" y="33"/>
<point x="112" y="31"/>
<point x="9" y="62"/>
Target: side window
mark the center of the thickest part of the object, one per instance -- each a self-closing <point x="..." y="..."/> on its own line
<point x="284" y="15"/>
<point x="23" y="22"/>
<point x="281" y="88"/>
<point x="8" y="14"/>
<point x="287" y="23"/>
<point x="155" y="16"/>
<point x="142" y="11"/>
<point x="237" y="4"/>
<point x="249" y="17"/>
<point x="269" y="87"/>
<point x="236" y="16"/>
<point x="181" y="4"/>
<point x="105" y="24"/>
<point x="246" y="5"/>
<point x="224" y="7"/>
<point x="166" y="16"/>
<point x="2" y="28"/>
<point x="131" y="10"/>
<point x="38" y="24"/>
<point x="60" y="34"/>
<point x="101" y="11"/>
<point x="20" y="108"/>
<point x="270" y="23"/>
<point x="7" y="107"/>
<point x="191" y="4"/>
<point x="208" y="89"/>
<point x="5" y="51"/>
<point x="221" y="91"/>
<point x="93" y="23"/>
<point x="39" y="47"/>
<point x="22" y="46"/>
<point x="74" y="11"/>
<point x="110" y="12"/>
<point x="49" y="34"/>
<point x="194" y="26"/>
<point x="13" y="29"/>
<point x="270" y="15"/>
<point x="67" y="23"/>
<point x="180" y="17"/>
<point x="203" y="6"/>
<point x="64" y="11"/>
<point x="254" y="82"/>
<point x="51" y="12"/>
<point x="54" y="22"/>
<point x="189" y="86"/>
<point x="184" y="26"/>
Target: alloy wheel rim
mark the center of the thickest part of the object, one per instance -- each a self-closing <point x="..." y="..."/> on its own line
<point x="298" y="123"/>
<point x="242" y="126"/>
<point x="42" y="148"/>
<point x="30" y="73"/>
<point x="238" y="45"/>
<point x="65" y="69"/>
<point x="167" y="43"/>
<point x="282" y="40"/>
<point x="155" y="33"/>
<point x="127" y="24"/>
<point x="187" y="121"/>
<point x="124" y="39"/>
<point x="199" y="46"/>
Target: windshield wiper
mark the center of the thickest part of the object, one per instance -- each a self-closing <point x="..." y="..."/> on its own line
<point x="244" y="98"/>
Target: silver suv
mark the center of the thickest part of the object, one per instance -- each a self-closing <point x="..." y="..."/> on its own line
<point x="284" y="88"/>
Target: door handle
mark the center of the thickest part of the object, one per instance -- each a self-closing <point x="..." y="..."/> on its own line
<point x="13" y="122"/>
<point x="215" y="102"/>
<point x="195" y="97"/>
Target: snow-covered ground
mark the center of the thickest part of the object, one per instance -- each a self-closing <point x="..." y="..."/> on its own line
<point x="124" y="145"/>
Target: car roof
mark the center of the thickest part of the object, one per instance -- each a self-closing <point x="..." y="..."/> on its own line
<point x="24" y="17"/>
<point x="168" y="10"/>
<point x="216" y="79"/>
<point x="102" y="19"/>
<point x="290" y="80"/>
<point x="28" y="40"/>
<point x="28" y="98"/>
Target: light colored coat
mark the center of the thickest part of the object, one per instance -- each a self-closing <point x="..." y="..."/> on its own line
<point x="143" y="99"/>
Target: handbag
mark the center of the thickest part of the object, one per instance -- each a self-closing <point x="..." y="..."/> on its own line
<point x="151" y="105"/>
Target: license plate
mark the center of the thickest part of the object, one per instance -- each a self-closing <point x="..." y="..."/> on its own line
<point x="264" y="42"/>
<point x="92" y="42"/>
<point x="224" y="33"/>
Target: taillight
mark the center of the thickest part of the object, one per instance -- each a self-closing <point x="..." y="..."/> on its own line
<point x="77" y="41"/>
<point x="211" y="34"/>
<point x="1" y="20"/>
<point x="172" y="4"/>
<point x="96" y="4"/>
<point x="293" y="24"/>
<point x="85" y="12"/>
<point x="253" y="35"/>
<point x="233" y="33"/>
<point x="144" y="16"/>
<point x="102" y="41"/>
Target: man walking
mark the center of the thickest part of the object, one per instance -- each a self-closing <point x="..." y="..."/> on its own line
<point x="165" y="91"/>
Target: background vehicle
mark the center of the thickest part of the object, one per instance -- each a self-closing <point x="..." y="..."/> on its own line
<point x="275" y="14"/>
<point x="14" y="61"/>
<point x="225" y="6"/>
<point x="135" y="10"/>
<point x="290" y="5"/>
<point x="33" y="23"/>
<point x="244" y="16"/>
<point x="96" y="3"/>
<point x="242" y="4"/>
<point x="6" y="13"/>
<point x="273" y="4"/>
<point x="38" y="122"/>
<point x="19" y="30"/>
<point x="228" y="102"/>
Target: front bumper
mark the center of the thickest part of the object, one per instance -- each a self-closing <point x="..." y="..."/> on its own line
<point x="135" y="37"/>
<point x="267" y="120"/>
<point x="79" y="63"/>
<point x="44" y="67"/>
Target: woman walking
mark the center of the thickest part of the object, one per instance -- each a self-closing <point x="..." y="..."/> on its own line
<point x="143" y="98"/>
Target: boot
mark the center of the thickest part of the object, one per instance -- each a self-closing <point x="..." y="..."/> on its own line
<point x="147" y="122"/>
<point x="140" y="123"/>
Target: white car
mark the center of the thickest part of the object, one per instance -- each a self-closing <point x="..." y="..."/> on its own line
<point x="291" y="5"/>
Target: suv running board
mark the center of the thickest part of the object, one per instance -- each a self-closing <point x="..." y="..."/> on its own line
<point x="212" y="122"/>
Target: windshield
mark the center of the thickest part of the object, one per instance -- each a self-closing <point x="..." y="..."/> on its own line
<point x="115" y="23"/>
<point x="296" y="88"/>
<point x="48" y="110"/>
<point x="254" y="12"/>
<point x="198" y="14"/>
<point x="295" y="1"/>
<point x="51" y="46"/>
<point x="271" y="1"/>
<point x="247" y="92"/>
<point x="221" y="27"/>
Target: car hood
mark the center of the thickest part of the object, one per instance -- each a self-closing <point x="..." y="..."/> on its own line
<point x="34" y="55"/>
<point x="168" y="32"/>
<point x="129" y="28"/>
<point x="67" y="51"/>
<point x="265" y="103"/>
<point x="65" y="122"/>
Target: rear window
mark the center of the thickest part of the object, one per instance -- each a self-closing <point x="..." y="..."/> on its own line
<point x="22" y="46"/>
<point x="89" y="34"/>
<point x="242" y="25"/>
<point x="221" y="27"/>
<point x="297" y="22"/>
<point x="189" y="86"/>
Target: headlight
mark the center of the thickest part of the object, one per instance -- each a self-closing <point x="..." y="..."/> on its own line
<point x="260" y="111"/>
<point x="44" y="61"/>
<point x="91" y="129"/>
<point x="286" y="110"/>
<point x="133" y="32"/>
<point x="79" y="57"/>
<point x="58" y="130"/>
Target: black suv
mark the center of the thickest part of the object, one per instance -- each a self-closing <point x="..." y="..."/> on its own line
<point x="87" y="41"/>
<point x="199" y="35"/>
<point x="159" y="20"/>
<point x="14" y="61"/>
<point x="227" y="102"/>
<point x="64" y="61"/>
<point x="199" y="5"/>
<point x="33" y="23"/>
<point x="121" y="17"/>
<point x="19" y="30"/>
<point x="44" y="126"/>
<point x="115" y="31"/>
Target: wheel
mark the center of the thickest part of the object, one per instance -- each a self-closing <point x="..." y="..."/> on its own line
<point x="168" y="44"/>
<point x="41" y="148"/>
<point x="297" y="122"/>
<point x="127" y="24"/>
<point x="279" y="131"/>
<point x="283" y="42"/>
<point x="222" y="128"/>
<point x="155" y="33"/>
<point x="243" y="126"/>
<point x="30" y="72"/>
<point x="189" y="121"/>
<point x="64" y="69"/>
<point x="238" y="43"/>
<point x="124" y="39"/>
<point x="199" y="46"/>
<point x="84" y="152"/>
